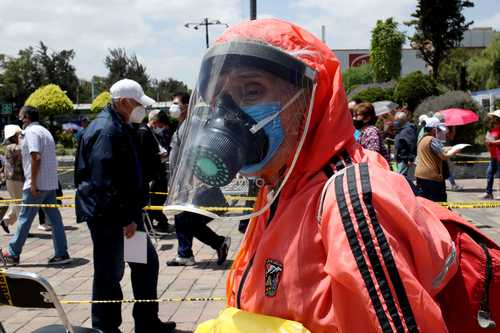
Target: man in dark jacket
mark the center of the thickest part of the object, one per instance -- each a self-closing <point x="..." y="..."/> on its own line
<point x="110" y="198"/>
<point x="405" y="142"/>
<point x="153" y="157"/>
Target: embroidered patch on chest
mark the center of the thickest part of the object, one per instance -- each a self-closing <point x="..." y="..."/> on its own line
<point x="273" y="274"/>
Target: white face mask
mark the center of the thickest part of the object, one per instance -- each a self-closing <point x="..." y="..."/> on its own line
<point x="138" y="114"/>
<point x="174" y="111"/>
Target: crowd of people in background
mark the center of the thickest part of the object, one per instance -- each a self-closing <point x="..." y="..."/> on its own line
<point x="421" y="151"/>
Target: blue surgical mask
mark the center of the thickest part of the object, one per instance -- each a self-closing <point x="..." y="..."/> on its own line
<point x="267" y="117"/>
<point x="273" y="130"/>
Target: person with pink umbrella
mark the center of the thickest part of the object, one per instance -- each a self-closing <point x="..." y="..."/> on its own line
<point x="454" y="117"/>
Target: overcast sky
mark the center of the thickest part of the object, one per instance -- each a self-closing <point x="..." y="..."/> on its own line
<point x="154" y="29"/>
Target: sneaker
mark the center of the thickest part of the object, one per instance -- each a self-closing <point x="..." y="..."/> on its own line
<point x="44" y="227"/>
<point x="488" y="196"/>
<point x="158" y="327"/>
<point x="457" y="188"/>
<point x="60" y="260"/>
<point x="7" y="259"/>
<point x="223" y="250"/>
<point x="180" y="261"/>
<point x="5" y="227"/>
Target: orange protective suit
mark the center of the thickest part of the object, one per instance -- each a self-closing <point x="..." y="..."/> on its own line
<point x="350" y="252"/>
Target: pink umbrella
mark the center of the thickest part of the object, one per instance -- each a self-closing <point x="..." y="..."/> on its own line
<point x="457" y="117"/>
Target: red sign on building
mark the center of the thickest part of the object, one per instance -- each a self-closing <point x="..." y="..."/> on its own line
<point x="358" y="59"/>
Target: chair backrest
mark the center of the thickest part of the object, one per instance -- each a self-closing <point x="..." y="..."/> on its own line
<point x="29" y="290"/>
<point x="25" y="290"/>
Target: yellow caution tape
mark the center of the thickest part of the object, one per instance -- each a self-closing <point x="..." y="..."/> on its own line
<point x="19" y="200"/>
<point x="466" y="205"/>
<point x="161" y="300"/>
<point x="4" y="288"/>
<point x="470" y="162"/>
<point x="158" y="208"/>
<point x="458" y="204"/>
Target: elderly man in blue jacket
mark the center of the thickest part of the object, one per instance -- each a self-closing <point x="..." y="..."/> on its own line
<point x="110" y="198"/>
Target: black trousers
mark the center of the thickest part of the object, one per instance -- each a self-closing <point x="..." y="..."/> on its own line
<point x="432" y="190"/>
<point x="158" y="185"/>
<point x="107" y="238"/>
<point x="189" y="225"/>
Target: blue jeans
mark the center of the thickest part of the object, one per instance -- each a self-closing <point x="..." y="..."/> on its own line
<point x="25" y="219"/>
<point x="490" y="175"/>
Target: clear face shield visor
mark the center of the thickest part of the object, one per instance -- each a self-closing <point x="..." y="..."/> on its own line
<point x="247" y="121"/>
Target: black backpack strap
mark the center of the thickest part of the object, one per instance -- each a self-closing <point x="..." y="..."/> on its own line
<point x="338" y="161"/>
<point x="484" y="315"/>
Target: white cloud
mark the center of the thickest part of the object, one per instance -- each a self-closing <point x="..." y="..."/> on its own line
<point x="348" y="23"/>
<point x="492" y="21"/>
<point x="153" y="29"/>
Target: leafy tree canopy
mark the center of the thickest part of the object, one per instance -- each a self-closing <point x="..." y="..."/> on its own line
<point x="50" y="100"/>
<point x="357" y="75"/>
<point x="385" y="50"/>
<point x="120" y="66"/>
<point x="439" y="27"/>
<point x="413" y="88"/>
<point x="34" y="67"/>
<point x="100" y="102"/>
<point x="484" y="70"/>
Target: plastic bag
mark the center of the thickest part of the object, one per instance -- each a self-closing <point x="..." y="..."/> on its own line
<point x="232" y="320"/>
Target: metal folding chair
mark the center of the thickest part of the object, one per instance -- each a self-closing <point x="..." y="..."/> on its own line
<point x="29" y="290"/>
<point x="150" y="231"/>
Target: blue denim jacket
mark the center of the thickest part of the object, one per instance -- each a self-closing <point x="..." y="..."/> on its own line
<point x="108" y="179"/>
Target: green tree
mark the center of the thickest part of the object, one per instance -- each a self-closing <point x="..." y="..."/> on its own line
<point x="84" y="92"/>
<point x="453" y="69"/>
<point x="385" y="50"/>
<point x="439" y="27"/>
<point x="357" y="75"/>
<point x="374" y="94"/>
<point x="21" y="76"/>
<point x="413" y="88"/>
<point x="120" y="66"/>
<point x="57" y="68"/>
<point x="50" y="100"/>
<point x="164" y="90"/>
<point x="484" y="69"/>
<point x="33" y="68"/>
<point x="100" y="102"/>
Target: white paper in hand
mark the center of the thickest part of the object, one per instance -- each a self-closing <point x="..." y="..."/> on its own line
<point x="135" y="248"/>
<point x="456" y="148"/>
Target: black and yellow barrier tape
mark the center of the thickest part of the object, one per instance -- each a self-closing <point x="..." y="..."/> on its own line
<point x="153" y="208"/>
<point x="471" y="162"/>
<point x="161" y="300"/>
<point x="68" y="197"/>
<point x="472" y="204"/>
<point x="4" y="288"/>
<point x="456" y="205"/>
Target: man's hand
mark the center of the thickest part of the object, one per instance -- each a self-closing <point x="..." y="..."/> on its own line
<point x="130" y="230"/>
<point x="34" y="190"/>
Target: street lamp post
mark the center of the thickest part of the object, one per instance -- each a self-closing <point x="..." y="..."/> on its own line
<point x="206" y="22"/>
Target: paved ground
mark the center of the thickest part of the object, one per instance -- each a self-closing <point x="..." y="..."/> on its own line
<point x="206" y="279"/>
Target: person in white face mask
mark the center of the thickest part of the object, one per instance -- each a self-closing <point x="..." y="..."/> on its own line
<point x="110" y="195"/>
